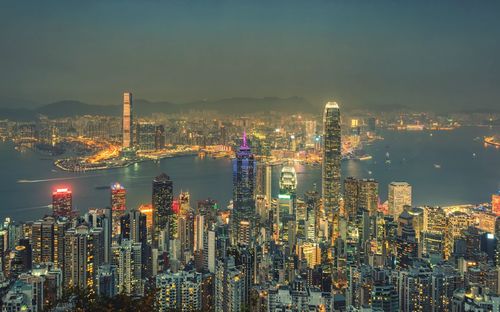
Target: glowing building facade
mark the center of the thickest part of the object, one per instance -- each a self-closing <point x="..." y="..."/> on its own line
<point x="331" y="162"/>
<point x="62" y="202"/>
<point x="127" y="125"/>
<point x="243" y="190"/>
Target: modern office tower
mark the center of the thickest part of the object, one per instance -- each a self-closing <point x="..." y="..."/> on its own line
<point x="127" y="257"/>
<point x="309" y="252"/>
<point x="181" y="291"/>
<point x="107" y="281"/>
<point x="495" y="203"/>
<point x="62" y="202"/>
<point x="399" y="197"/>
<point x="146" y="136"/>
<point x="101" y="218"/>
<point x="209" y="251"/>
<point x="229" y="286"/>
<point x="163" y="197"/>
<point x="360" y="194"/>
<point x="20" y="259"/>
<point x="368" y="195"/>
<point x="20" y="298"/>
<point x="260" y="179"/>
<point x="128" y="122"/>
<point x="83" y="254"/>
<point x="52" y="282"/>
<point x="434" y="219"/>
<point x="243" y="190"/>
<point x="287" y="200"/>
<point x="269" y="185"/>
<point x="351" y="197"/>
<point x="332" y="149"/>
<point x="433" y="244"/>
<point x="118" y="205"/>
<point x="47" y="236"/>
<point x="312" y="201"/>
<point x="385" y="298"/>
<point x="133" y="227"/>
<point x="406" y="246"/>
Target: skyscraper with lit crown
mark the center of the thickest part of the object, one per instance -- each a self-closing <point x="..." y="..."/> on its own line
<point x="331" y="160"/>
<point x="243" y="189"/>
<point x="62" y="202"/>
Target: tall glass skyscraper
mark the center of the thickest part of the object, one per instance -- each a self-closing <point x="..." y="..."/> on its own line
<point x="331" y="161"/>
<point x="127" y="126"/>
<point x="163" y="197"/>
<point x="243" y="191"/>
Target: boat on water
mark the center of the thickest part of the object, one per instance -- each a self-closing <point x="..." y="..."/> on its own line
<point x="492" y="140"/>
<point x="437" y="166"/>
<point x="387" y="159"/>
<point x="365" y="157"/>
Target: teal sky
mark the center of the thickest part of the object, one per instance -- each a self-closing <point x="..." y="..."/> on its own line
<point x="423" y="54"/>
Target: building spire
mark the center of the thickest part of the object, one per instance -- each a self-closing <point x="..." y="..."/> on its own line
<point x="244" y="138"/>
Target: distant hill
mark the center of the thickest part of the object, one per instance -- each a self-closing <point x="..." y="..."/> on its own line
<point x="241" y="105"/>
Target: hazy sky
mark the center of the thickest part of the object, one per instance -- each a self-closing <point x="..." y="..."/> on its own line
<point x="417" y="53"/>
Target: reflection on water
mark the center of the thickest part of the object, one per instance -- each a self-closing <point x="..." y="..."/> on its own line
<point x="469" y="173"/>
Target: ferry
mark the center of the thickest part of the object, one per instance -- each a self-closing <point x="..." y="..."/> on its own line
<point x="437" y="166"/>
<point x="365" y="157"/>
<point x="492" y="141"/>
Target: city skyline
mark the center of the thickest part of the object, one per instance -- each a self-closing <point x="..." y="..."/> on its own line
<point x="230" y="156"/>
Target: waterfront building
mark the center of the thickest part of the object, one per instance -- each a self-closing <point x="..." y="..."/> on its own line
<point x="118" y="205"/>
<point x="146" y="134"/>
<point x="331" y="165"/>
<point x="243" y="192"/>
<point x="163" y="215"/>
<point x="62" y="202"/>
<point x="399" y="197"/>
<point x="127" y="121"/>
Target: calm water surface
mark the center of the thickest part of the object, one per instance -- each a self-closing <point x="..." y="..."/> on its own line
<point x="27" y="179"/>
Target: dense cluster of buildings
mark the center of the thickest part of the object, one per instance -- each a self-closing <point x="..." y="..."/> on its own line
<point x="338" y="250"/>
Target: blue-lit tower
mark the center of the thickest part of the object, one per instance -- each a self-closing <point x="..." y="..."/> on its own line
<point x="243" y="193"/>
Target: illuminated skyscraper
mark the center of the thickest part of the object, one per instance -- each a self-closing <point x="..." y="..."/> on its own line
<point x="127" y="126"/>
<point x="368" y="195"/>
<point x="399" y="197"/>
<point x="62" y="202"/>
<point x="146" y="135"/>
<point x="331" y="162"/>
<point x="118" y="205"/>
<point x="162" y="207"/>
<point x="243" y="187"/>
<point x="269" y="182"/>
<point x="287" y="199"/>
